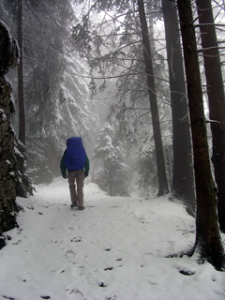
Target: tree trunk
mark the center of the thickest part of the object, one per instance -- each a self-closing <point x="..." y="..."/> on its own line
<point x="183" y="176"/>
<point x="22" y="132"/>
<point x="215" y="91"/>
<point x="208" y="244"/>
<point x="163" y="185"/>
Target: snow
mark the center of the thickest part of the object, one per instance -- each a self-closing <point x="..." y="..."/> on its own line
<point x="3" y="115"/>
<point x="115" y="249"/>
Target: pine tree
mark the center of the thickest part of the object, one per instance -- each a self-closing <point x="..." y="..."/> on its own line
<point x="161" y="170"/>
<point x="57" y="99"/>
<point x="208" y="244"/>
<point x="113" y="176"/>
<point x="216" y="99"/>
<point x="183" y="177"/>
<point x="125" y="43"/>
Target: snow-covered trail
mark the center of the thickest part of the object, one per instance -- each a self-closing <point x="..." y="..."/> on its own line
<point x="115" y="249"/>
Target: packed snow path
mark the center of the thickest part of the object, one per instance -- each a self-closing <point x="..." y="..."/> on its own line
<point x="115" y="249"/>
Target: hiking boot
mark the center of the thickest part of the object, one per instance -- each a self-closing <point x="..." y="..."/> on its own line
<point x="74" y="204"/>
<point x="81" y="208"/>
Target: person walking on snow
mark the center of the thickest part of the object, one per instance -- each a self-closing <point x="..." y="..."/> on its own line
<point x="76" y="163"/>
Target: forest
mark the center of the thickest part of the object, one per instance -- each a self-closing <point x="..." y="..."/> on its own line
<point x="142" y="82"/>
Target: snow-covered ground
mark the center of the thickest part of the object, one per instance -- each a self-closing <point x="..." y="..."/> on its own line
<point x="115" y="249"/>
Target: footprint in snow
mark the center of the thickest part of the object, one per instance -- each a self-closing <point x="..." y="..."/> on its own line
<point x="76" y="240"/>
<point x="102" y="284"/>
<point x="186" y="272"/>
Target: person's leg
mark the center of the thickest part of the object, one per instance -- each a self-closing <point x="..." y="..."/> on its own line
<point x="71" y="180"/>
<point x="80" y="184"/>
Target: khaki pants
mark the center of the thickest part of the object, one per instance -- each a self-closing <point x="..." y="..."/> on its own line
<point x="76" y="189"/>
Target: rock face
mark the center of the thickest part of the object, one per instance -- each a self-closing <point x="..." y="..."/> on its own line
<point x="8" y="163"/>
<point x="24" y="186"/>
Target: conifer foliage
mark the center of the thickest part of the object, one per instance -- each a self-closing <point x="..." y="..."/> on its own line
<point x="56" y="99"/>
<point x="113" y="175"/>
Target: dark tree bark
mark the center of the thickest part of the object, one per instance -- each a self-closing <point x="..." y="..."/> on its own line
<point x="208" y="244"/>
<point x="215" y="91"/>
<point x="22" y="131"/>
<point x="163" y="185"/>
<point x="183" y="176"/>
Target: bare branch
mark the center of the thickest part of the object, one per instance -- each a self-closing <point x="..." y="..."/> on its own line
<point x="50" y="14"/>
<point x="210" y="48"/>
<point x="210" y="24"/>
<point x="212" y="121"/>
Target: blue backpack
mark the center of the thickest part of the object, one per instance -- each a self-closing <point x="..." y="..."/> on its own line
<point x="75" y="154"/>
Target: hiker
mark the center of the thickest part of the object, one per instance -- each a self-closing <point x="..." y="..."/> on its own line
<point x="75" y="163"/>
